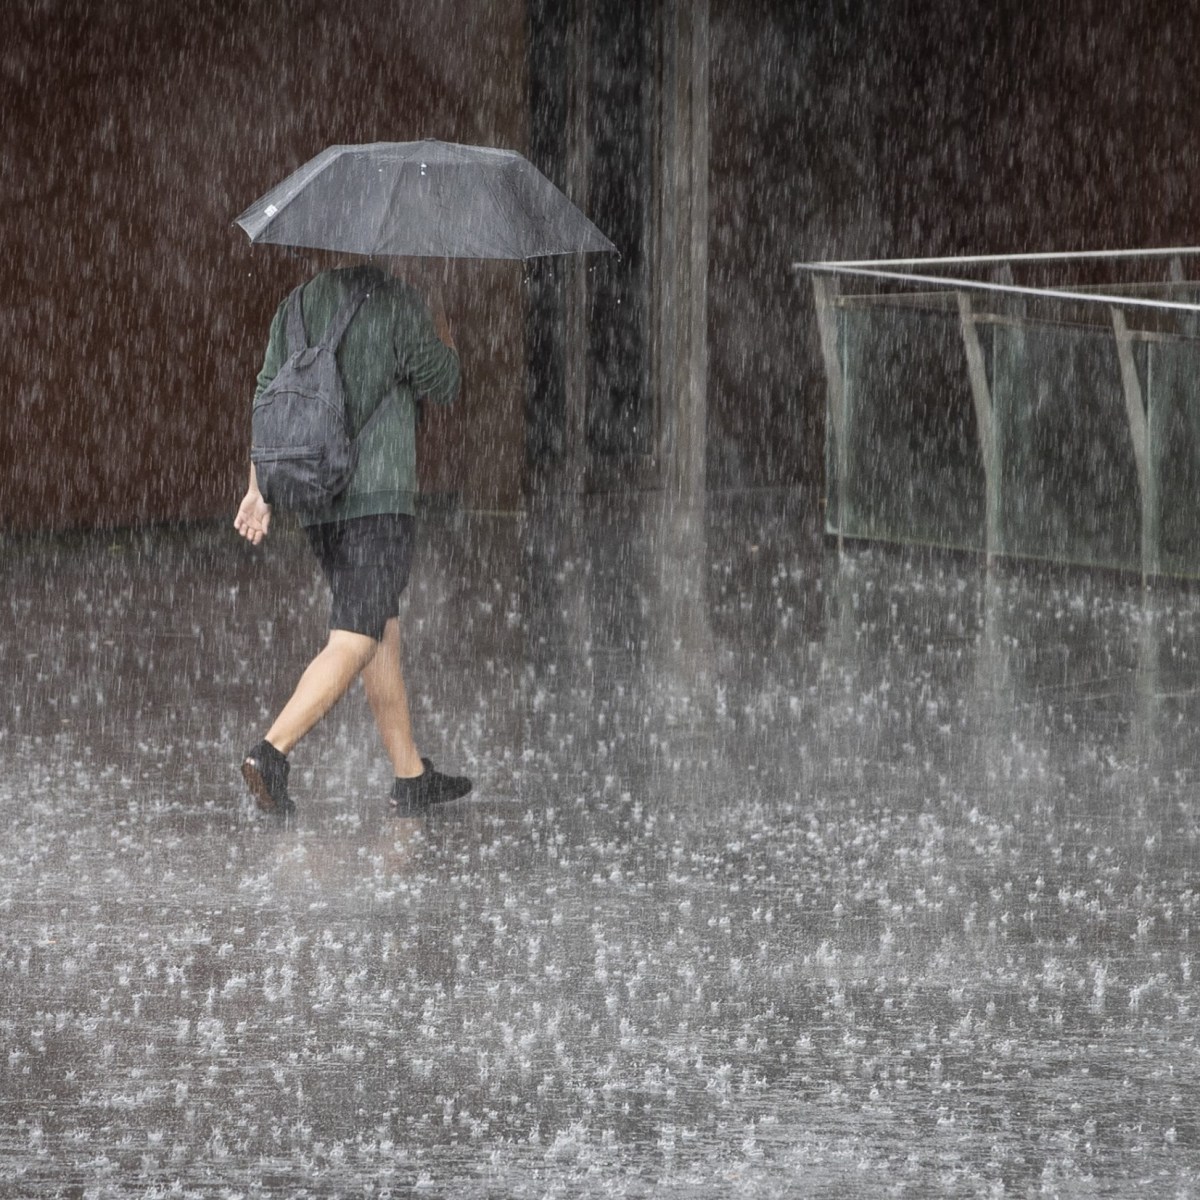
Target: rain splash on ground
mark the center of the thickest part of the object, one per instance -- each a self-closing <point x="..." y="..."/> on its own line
<point x="786" y="873"/>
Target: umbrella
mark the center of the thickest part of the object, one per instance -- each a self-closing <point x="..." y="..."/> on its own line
<point x="422" y="199"/>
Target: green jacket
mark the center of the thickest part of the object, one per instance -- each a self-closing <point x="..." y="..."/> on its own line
<point x="391" y="345"/>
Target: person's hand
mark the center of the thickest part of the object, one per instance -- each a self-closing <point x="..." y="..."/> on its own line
<point x="253" y="518"/>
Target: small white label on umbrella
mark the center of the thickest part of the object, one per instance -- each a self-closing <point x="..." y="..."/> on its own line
<point x="270" y="210"/>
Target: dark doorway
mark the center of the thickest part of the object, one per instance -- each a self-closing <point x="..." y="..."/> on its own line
<point x="592" y="412"/>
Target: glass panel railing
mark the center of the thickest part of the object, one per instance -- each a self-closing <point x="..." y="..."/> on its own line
<point x="1173" y="374"/>
<point x="909" y="425"/>
<point x="1053" y="422"/>
<point x="1068" y="477"/>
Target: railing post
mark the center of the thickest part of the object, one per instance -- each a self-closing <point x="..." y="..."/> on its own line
<point x="825" y="291"/>
<point x="988" y="446"/>
<point x="1135" y="410"/>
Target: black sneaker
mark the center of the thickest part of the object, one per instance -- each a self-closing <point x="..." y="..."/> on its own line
<point x="265" y="771"/>
<point x="413" y="796"/>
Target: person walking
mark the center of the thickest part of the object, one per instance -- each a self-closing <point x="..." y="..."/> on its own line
<point x="394" y="352"/>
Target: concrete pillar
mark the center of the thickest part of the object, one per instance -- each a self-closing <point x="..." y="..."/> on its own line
<point x="681" y="341"/>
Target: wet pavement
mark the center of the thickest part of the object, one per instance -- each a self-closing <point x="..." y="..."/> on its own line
<point x="786" y="873"/>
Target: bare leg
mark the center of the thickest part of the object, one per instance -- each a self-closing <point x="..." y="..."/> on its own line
<point x="384" y="682"/>
<point x="324" y="682"/>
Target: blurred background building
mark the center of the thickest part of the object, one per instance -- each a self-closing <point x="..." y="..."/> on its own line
<point x="716" y="142"/>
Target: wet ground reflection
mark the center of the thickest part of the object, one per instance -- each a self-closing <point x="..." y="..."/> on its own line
<point x="786" y="874"/>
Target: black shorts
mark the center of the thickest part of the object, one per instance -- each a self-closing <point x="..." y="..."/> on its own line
<point x="366" y="562"/>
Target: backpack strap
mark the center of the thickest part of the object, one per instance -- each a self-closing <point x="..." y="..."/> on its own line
<point x="297" y="335"/>
<point x="298" y="338"/>
<point x="336" y="329"/>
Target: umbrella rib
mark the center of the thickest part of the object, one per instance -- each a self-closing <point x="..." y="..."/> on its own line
<point x="499" y="207"/>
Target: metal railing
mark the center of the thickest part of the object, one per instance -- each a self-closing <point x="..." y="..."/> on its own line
<point x="1056" y="419"/>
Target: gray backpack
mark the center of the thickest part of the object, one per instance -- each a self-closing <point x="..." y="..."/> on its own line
<point x="300" y="443"/>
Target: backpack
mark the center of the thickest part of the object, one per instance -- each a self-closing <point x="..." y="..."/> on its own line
<point x="300" y="444"/>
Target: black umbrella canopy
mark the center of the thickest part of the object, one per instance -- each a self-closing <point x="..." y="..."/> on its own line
<point x="422" y="199"/>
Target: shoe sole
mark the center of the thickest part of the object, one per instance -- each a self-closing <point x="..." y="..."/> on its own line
<point x="259" y="790"/>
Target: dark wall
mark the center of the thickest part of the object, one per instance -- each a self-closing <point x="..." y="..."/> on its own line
<point x="851" y="129"/>
<point x="592" y="69"/>
<point x="134" y="315"/>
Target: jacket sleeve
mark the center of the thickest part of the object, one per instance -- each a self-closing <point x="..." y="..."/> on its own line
<point x="426" y="362"/>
